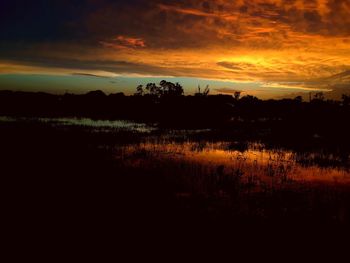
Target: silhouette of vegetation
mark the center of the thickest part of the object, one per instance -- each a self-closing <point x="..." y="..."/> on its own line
<point x="166" y="89"/>
<point x="289" y="122"/>
<point x="345" y="100"/>
<point x="195" y="168"/>
<point x="319" y="96"/>
<point x="299" y="99"/>
<point x="237" y="95"/>
<point x="115" y="178"/>
<point x="204" y="93"/>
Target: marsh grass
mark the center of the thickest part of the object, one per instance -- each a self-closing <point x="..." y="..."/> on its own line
<point x="256" y="163"/>
<point x="135" y="174"/>
<point x="255" y="183"/>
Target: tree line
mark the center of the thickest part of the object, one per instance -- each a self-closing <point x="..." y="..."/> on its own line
<point x="166" y="103"/>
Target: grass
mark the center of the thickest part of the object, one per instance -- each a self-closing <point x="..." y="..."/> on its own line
<point x="262" y="185"/>
<point x="123" y="175"/>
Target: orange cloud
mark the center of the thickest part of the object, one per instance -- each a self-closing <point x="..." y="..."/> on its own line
<point x="121" y="42"/>
<point x="198" y="12"/>
<point x="265" y="41"/>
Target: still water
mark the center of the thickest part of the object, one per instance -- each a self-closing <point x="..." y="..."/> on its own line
<point x="255" y="163"/>
<point x="94" y="125"/>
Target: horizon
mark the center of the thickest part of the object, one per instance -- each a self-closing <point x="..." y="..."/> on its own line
<point x="174" y="120"/>
<point x="305" y="96"/>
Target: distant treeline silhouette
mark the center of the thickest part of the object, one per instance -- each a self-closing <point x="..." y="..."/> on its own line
<point x="167" y="105"/>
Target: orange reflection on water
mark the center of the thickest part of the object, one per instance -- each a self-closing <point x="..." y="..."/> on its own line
<point x="255" y="163"/>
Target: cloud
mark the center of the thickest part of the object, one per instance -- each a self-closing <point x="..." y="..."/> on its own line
<point x="122" y="42"/>
<point x="109" y="66"/>
<point x="340" y="77"/>
<point x="227" y="91"/>
<point x="236" y="65"/>
<point x="262" y="41"/>
<point x="89" y="75"/>
<point x="203" y="12"/>
<point x="301" y="86"/>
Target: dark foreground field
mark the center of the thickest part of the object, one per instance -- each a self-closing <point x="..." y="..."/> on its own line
<point x="72" y="182"/>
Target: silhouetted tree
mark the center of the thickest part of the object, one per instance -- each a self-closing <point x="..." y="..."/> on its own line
<point x="170" y="89"/>
<point x="298" y="99"/>
<point x="249" y="99"/>
<point x="96" y="94"/>
<point x="139" y="90"/>
<point x="345" y="100"/>
<point x="319" y="96"/>
<point x="204" y="93"/>
<point x="237" y="95"/>
<point x="165" y="89"/>
<point x="153" y="89"/>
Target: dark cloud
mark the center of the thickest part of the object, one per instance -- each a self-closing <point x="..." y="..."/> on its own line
<point x="88" y="75"/>
<point x="182" y="23"/>
<point x="236" y="66"/>
<point x="69" y="33"/>
<point x="111" y="66"/>
<point x="227" y="91"/>
<point x="108" y="66"/>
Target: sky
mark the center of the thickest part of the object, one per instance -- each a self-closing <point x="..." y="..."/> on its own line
<point x="265" y="48"/>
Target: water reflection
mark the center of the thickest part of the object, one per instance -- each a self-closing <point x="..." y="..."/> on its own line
<point x="255" y="164"/>
<point x="87" y="123"/>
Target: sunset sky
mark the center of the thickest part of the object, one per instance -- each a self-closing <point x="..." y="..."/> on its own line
<point x="267" y="48"/>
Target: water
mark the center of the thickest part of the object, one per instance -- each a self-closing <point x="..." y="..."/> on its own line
<point x="255" y="164"/>
<point x="189" y="173"/>
<point x="96" y="125"/>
